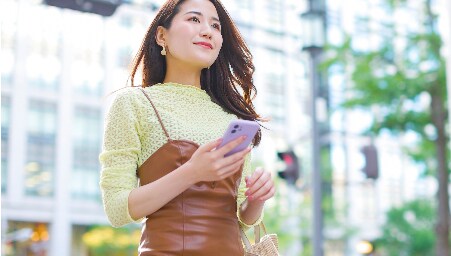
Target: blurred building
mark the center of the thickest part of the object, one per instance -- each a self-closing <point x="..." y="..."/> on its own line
<point x="58" y="67"/>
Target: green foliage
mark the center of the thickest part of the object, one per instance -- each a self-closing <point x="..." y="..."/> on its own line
<point x="394" y="84"/>
<point x="409" y="230"/>
<point x="106" y="240"/>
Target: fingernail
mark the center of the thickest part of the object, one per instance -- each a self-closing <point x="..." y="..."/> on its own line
<point x="243" y="137"/>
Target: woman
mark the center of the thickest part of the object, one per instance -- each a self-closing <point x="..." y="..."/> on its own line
<point x="197" y="77"/>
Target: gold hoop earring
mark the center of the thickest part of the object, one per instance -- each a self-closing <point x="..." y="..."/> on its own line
<point x="163" y="51"/>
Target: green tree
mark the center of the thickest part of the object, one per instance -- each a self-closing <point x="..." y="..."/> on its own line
<point x="409" y="230"/>
<point x="395" y="81"/>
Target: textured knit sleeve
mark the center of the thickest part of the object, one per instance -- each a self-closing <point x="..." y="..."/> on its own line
<point x="242" y="190"/>
<point x="119" y="158"/>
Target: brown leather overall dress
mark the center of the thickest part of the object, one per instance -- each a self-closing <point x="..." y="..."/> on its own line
<point x="201" y="220"/>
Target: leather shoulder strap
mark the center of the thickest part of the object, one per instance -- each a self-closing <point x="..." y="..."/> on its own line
<point x="156" y="112"/>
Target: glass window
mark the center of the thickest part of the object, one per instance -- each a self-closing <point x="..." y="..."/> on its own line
<point x="275" y="14"/>
<point x="87" y="70"/>
<point x="270" y="15"/>
<point x="124" y="57"/>
<point x="7" y="67"/>
<point x="275" y="84"/>
<point x="276" y="103"/>
<point x="126" y="21"/>
<point x="87" y="75"/>
<point x="87" y="144"/>
<point x="43" y="70"/>
<point x="128" y="26"/>
<point x="8" y="41"/>
<point x="40" y="165"/>
<point x="244" y="5"/>
<point x="43" y="62"/>
<point x="6" y="113"/>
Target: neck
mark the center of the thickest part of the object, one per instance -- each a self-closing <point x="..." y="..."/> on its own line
<point x="183" y="75"/>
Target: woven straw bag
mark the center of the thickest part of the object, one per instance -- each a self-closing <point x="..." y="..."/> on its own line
<point x="268" y="245"/>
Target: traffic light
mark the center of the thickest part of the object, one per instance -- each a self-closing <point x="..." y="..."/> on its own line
<point x="291" y="171"/>
<point x="371" y="168"/>
<point x="100" y="7"/>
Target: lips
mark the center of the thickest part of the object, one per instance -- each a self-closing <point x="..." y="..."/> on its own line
<point x="205" y="44"/>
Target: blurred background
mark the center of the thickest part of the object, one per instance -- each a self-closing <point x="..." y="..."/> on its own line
<point x="358" y="140"/>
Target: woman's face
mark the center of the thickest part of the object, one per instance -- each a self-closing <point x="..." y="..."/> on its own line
<point x="194" y="37"/>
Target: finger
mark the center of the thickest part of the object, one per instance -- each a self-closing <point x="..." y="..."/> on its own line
<point x="271" y="193"/>
<point x="254" y="177"/>
<point x="235" y="157"/>
<point x="209" y="146"/>
<point x="231" y="145"/>
<point x="262" y="191"/>
<point x="231" y="169"/>
<point x="262" y="180"/>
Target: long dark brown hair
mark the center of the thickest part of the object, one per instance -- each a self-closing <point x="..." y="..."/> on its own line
<point x="228" y="81"/>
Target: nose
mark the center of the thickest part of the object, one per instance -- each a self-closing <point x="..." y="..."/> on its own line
<point x="206" y="30"/>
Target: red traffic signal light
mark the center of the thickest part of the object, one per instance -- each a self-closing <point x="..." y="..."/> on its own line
<point x="291" y="171"/>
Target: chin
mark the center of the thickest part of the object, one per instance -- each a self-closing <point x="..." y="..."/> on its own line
<point x="204" y="64"/>
<point x="199" y="62"/>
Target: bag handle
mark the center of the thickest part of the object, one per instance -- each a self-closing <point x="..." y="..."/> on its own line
<point x="257" y="231"/>
<point x="245" y="240"/>
<point x="256" y="234"/>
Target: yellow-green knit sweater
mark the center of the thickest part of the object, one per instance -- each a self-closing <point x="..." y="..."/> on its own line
<point x="133" y="133"/>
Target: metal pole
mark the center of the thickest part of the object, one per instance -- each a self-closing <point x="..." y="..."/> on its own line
<point x="314" y="48"/>
<point x="316" y="171"/>
<point x="448" y="66"/>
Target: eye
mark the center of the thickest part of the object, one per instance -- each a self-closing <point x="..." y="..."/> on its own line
<point x="195" y="19"/>
<point x="216" y="26"/>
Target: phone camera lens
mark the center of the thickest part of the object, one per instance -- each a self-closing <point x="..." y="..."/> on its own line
<point x="236" y="126"/>
<point x="233" y="131"/>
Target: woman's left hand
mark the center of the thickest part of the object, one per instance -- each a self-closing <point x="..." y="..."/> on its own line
<point x="260" y="186"/>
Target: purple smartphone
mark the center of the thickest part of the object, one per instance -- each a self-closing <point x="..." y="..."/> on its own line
<point x="239" y="128"/>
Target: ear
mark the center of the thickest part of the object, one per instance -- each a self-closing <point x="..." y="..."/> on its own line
<point x="160" y="36"/>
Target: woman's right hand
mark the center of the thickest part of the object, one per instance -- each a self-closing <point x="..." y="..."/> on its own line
<point x="209" y="163"/>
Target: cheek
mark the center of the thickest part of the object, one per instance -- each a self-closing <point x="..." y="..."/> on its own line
<point x="180" y="34"/>
<point x="219" y="44"/>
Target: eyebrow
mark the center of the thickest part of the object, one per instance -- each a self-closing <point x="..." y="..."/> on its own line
<point x="200" y="14"/>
